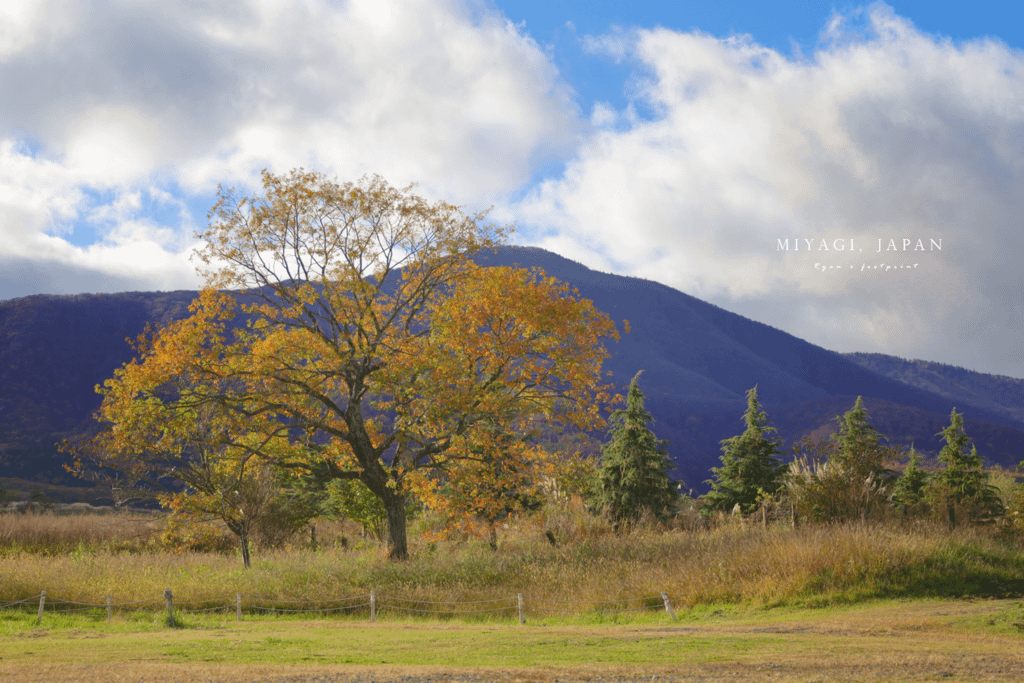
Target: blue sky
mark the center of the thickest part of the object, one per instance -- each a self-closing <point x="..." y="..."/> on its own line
<point x="697" y="144"/>
<point x="783" y="26"/>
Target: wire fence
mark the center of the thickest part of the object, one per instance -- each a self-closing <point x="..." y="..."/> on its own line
<point x="370" y="604"/>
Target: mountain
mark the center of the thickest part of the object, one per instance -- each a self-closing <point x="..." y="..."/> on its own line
<point x="698" y="361"/>
<point x="54" y="350"/>
<point x="998" y="393"/>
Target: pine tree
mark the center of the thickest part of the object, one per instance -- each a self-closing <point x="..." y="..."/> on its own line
<point x="859" y="448"/>
<point x="634" y="466"/>
<point x="750" y="464"/>
<point x="909" y="491"/>
<point x="964" y="483"/>
<point x="853" y="482"/>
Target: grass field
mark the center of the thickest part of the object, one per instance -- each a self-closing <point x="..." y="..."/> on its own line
<point x="840" y="602"/>
<point x="730" y="564"/>
<point x="878" y="640"/>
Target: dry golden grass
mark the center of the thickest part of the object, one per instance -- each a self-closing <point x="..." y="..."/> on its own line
<point x="57" y="532"/>
<point x="735" y="562"/>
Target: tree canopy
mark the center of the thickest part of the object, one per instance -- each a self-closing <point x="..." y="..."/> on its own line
<point x="345" y="330"/>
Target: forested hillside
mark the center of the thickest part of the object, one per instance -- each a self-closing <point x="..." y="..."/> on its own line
<point x="54" y="350"/>
<point x="999" y="393"/>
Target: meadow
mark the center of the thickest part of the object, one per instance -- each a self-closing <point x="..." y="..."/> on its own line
<point x="732" y="561"/>
<point x="893" y="601"/>
<point x="880" y="640"/>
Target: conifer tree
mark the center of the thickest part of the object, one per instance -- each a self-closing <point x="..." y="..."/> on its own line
<point x="853" y="481"/>
<point x="964" y="483"/>
<point x="909" y="491"/>
<point x="750" y="464"/>
<point x="634" y="466"/>
<point x="859" y="448"/>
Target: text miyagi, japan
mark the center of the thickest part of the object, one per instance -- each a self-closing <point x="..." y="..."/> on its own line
<point x="841" y="244"/>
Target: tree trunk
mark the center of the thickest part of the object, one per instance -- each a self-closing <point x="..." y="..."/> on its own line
<point x="377" y="480"/>
<point x="398" y="548"/>
<point x="240" y="528"/>
<point x="244" y="539"/>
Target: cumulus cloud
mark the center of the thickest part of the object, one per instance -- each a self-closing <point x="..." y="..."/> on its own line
<point x="883" y="133"/>
<point x="39" y="199"/>
<point x="119" y="97"/>
<point x="121" y="114"/>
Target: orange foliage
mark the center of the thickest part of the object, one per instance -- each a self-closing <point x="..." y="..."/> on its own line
<point x="372" y="348"/>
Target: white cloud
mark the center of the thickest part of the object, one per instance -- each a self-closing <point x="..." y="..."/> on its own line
<point x="882" y="133"/>
<point x="125" y="110"/>
<point x="443" y="93"/>
<point x="117" y="97"/>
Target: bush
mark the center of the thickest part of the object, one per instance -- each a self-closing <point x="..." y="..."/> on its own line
<point x="829" y="492"/>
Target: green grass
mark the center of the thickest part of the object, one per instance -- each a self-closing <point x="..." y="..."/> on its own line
<point x="706" y="636"/>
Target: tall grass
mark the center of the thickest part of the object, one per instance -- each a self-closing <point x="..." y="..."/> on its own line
<point x="54" y="532"/>
<point x="734" y="562"/>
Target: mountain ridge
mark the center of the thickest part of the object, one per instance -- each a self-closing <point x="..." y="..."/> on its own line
<point x="699" y="361"/>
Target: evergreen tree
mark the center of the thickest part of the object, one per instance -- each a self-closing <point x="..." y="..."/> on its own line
<point x="964" y="483"/>
<point x="909" y="491"/>
<point x="852" y="483"/>
<point x="750" y="464"/>
<point x="634" y="466"/>
<point x="859" y="448"/>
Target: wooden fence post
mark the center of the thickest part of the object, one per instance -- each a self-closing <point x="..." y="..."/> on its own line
<point x="238" y="606"/>
<point x="519" y="599"/>
<point x="109" y="610"/>
<point x="169" y="597"/>
<point x="373" y="606"/>
<point x="668" y="605"/>
<point x="42" y="602"/>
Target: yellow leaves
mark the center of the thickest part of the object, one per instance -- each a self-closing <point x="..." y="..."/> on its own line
<point x="366" y="339"/>
<point x="491" y="477"/>
<point x="508" y="342"/>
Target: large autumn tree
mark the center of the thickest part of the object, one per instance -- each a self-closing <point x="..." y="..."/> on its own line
<point x="347" y="331"/>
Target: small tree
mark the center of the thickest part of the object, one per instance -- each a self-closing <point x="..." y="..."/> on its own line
<point x="844" y="477"/>
<point x="635" y="466"/>
<point x="750" y="466"/>
<point x="964" y="484"/>
<point x="498" y="481"/>
<point x="859" y="448"/>
<point x="164" y="442"/>
<point x="350" y="499"/>
<point x="909" y="491"/>
<point x="248" y="497"/>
